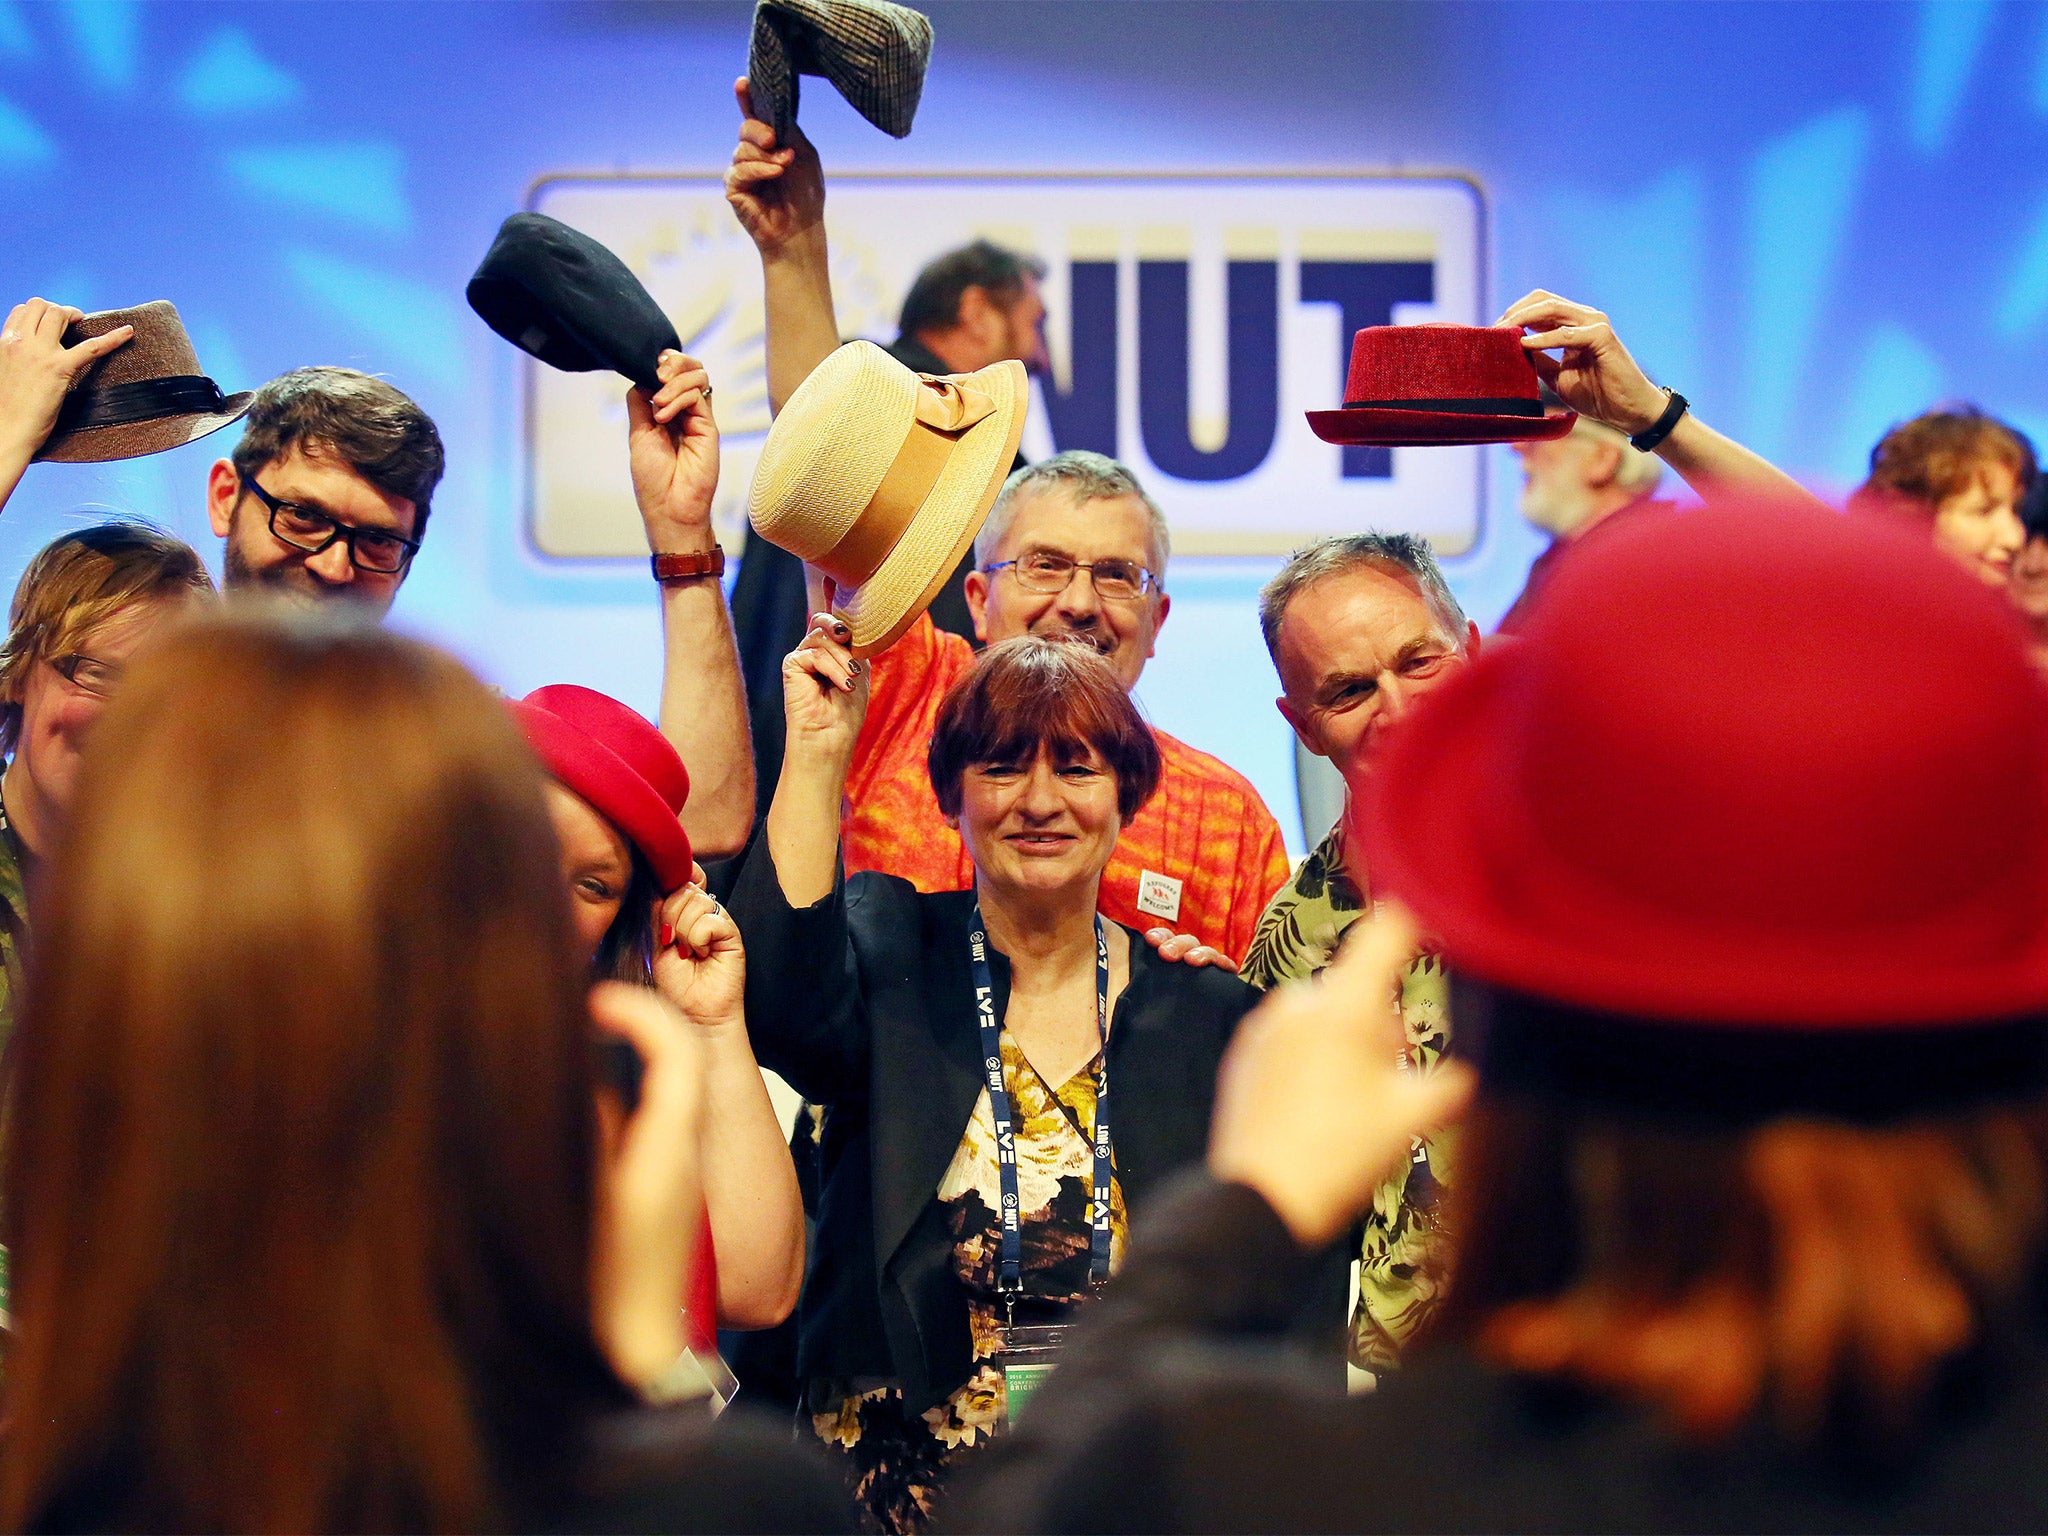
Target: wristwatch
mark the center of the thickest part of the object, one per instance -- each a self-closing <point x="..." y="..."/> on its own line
<point x="697" y="563"/>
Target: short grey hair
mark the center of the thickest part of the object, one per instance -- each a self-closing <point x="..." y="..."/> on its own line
<point x="1084" y="475"/>
<point x="1638" y="472"/>
<point x="1349" y="552"/>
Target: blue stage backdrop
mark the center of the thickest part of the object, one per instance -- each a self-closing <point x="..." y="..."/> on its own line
<point x="1813" y="218"/>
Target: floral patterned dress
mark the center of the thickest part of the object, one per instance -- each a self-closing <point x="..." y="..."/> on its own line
<point x="895" y="1462"/>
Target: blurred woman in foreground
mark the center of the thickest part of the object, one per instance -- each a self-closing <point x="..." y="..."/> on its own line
<point x="1749" y="930"/>
<point x="315" y="1225"/>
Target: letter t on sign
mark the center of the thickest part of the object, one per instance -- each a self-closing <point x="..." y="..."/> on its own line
<point x="1365" y="293"/>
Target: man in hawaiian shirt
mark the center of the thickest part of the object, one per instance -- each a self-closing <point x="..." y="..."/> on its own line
<point x="1359" y="628"/>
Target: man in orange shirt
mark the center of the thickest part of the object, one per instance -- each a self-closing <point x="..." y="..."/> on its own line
<point x="1075" y="548"/>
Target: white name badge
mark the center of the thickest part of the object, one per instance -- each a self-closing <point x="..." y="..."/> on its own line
<point x="1159" y="895"/>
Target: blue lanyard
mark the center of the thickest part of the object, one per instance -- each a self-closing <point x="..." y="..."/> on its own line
<point x="1010" y="1266"/>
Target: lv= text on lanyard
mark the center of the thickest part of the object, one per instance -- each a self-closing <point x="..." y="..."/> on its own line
<point x="1010" y="1264"/>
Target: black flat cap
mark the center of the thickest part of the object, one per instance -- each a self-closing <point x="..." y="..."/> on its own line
<point x="874" y="52"/>
<point x="555" y="292"/>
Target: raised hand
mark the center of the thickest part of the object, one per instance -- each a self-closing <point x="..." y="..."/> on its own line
<point x="777" y="191"/>
<point x="824" y="690"/>
<point x="37" y="370"/>
<point x="1593" y="373"/>
<point x="649" y="1190"/>
<point x="672" y="445"/>
<point x="699" y="963"/>
<point x="1313" y="1109"/>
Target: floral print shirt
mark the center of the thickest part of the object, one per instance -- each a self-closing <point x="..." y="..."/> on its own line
<point x="1402" y="1260"/>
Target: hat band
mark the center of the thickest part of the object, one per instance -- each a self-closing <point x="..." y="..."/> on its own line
<point x="906" y="487"/>
<point x="1742" y="1073"/>
<point x="121" y="405"/>
<point x="1507" y="406"/>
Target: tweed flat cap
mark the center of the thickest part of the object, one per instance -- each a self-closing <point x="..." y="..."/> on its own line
<point x="874" y="52"/>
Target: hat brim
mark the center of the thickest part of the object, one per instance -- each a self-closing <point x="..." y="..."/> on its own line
<point x="1451" y="840"/>
<point x="881" y="608"/>
<point x="592" y="771"/>
<point x="135" y="439"/>
<point x="1375" y="426"/>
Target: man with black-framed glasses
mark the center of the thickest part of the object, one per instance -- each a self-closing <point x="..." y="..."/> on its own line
<point x="326" y="497"/>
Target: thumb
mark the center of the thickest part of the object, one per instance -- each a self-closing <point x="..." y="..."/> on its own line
<point x="744" y="94"/>
<point x="639" y="411"/>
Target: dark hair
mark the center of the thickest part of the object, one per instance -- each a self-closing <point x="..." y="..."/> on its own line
<point x="1940" y="453"/>
<point x="626" y="952"/>
<point x="1031" y="693"/>
<point x="371" y="427"/>
<point x="78" y="582"/>
<point x="934" y="299"/>
<point x="301" y="1154"/>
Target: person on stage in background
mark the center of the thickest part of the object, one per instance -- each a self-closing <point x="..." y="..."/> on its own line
<point x="862" y="992"/>
<point x="326" y="1218"/>
<point x="1963" y="475"/>
<point x="1589" y="478"/>
<point x="968" y="309"/>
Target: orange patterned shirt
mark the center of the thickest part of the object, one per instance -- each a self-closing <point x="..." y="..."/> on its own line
<point x="1206" y="827"/>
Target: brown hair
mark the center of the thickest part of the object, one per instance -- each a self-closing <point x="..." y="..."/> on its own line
<point x="75" y="584"/>
<point x="1031" y="693"/>
<point x="371" y="427"/>
<point x="1826" y="1267"/>
<point x="1940" y="454"/>
<point x="301" y="1152"/>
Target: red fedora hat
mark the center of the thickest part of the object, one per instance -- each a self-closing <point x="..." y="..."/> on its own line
<point x="607" y="753"/>
<point x="1422" y="385"/>
<point x="1760" y="765"/>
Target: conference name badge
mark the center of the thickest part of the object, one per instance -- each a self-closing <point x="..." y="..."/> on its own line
<point x="1030" y="1351"/>
<point x="1159" y="896"/>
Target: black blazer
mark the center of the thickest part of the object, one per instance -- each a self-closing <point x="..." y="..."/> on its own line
<point x="864" y="1003"/>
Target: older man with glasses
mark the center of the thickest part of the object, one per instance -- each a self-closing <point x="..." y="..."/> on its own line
<point x="1074" y="549"/>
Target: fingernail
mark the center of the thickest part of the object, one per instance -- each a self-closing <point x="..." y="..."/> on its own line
<point x="668" y="934"/>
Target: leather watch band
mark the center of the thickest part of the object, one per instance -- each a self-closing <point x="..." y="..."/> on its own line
<point x="697" y="563"/>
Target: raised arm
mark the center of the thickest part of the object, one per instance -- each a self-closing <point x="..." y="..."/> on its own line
<point x="750" y="1188"/>
<point x="36" y="371"/>
<point x="1595" y="375"/>
<point x="673" y="444"/>
<point x="825" y="697"/>
<point x="778" y="194"/>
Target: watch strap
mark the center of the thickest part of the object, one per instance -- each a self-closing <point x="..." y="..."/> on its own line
<point x="1675" y="406"/>
<point x="690" y="567"/>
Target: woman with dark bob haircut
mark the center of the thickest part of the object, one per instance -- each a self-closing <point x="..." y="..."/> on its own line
<point x="937" y="1031"/>
<point x="1750" y="948"/>
<point x="321" y="1219"/>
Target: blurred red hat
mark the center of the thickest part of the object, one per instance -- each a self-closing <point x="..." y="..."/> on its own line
<point x="609" y="755"/>
<point x="1760" y="766"/>
<point x="1421" y="385"/>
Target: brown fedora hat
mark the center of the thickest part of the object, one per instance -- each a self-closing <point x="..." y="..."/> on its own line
<point x="140" y="398"/>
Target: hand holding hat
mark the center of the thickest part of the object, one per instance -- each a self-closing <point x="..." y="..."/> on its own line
<point x="1595" y="376"/>
<point x="700" y="964"/>
<point x="37" y="371"/>
<point x="775" y="184"/>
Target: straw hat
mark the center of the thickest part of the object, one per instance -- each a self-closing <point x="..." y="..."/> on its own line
<point x="881" y="478"/>
<point x="140" y="398"/>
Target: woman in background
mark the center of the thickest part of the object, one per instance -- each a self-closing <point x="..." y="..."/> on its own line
<point x="318" y="1224"/>
<point x="1965" y="476"/>
<point x="615" y="793"/>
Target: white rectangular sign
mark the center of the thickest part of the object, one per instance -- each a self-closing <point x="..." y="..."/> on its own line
<point x="1193" y="319"/>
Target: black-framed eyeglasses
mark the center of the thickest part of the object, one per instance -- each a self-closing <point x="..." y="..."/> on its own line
<point x="1116" y="581"/>
<point x="308" y="528"/>
<point x="88" y="674"/>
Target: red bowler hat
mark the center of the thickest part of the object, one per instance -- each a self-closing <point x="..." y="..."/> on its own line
<point x="1763" y="766"/>
<point x="599" y="749"/>
<point x="1414" y="386"/>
